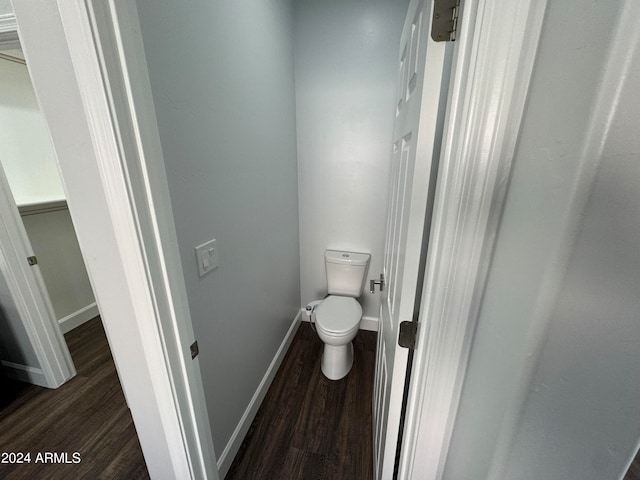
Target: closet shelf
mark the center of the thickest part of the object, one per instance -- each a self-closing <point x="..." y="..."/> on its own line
<point x="42" y="206"/>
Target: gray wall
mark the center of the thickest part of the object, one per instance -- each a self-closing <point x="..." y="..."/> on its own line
<point x="54" y="242"/>
<point x="552" y="387"/>
<point x="346" y="54"/>
<point x="222" y="83"/>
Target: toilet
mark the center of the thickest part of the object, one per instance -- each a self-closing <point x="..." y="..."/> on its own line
<point x="337" y="317"/>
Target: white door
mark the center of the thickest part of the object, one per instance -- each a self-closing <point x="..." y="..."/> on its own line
<point x="421" y="98"/>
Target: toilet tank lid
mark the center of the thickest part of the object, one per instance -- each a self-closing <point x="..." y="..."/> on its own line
<point x="347" y="258"/>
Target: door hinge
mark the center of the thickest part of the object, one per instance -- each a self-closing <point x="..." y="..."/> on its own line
<point x="32" y="260"/>
<point x="407" y="335"/>
<point x="445" y="20"/>
<point x="194" y="350"/>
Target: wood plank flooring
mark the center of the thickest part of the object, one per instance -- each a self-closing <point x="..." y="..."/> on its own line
<point x="634" y="469"/>
<point x="309" y="427"/>
<point x="87" y="415"/>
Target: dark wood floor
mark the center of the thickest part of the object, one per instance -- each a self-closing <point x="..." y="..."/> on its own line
<point x="87" y="415"/>
<point x="309" y="427"/>
<point x="634" y="469"/>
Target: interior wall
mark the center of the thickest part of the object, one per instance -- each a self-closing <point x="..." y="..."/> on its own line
<point x="222" y="83"/>
<point x="346" y="54"/>
<point x="54" y="240"/>
<point x="552" y="390"/>
<point x="27" y="155"/>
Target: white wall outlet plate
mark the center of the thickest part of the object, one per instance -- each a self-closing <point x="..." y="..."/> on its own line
<point x="207" y="257"/>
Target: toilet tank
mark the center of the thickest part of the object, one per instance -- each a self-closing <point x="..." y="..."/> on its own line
<point x="346" y="272"/>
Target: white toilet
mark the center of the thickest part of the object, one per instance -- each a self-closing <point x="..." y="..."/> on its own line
<point x="338" y="316"/>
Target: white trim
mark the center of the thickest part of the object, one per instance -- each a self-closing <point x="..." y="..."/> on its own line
<point x="26" y="374"/>
<point x="45" y="206"/>
<point x="367" y="323"/>
<point x="77" y="318"/>
<point x="495" y="53"/>
<point x="234" y="443"/>
<point x="108" y="57"/>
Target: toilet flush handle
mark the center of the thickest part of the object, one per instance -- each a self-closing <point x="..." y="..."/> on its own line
<point x="373" y="283"/>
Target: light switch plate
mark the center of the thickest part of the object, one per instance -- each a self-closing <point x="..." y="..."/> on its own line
<point x="207" y="257"/>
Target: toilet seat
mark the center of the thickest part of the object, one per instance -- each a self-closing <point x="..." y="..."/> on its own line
<point x="338" y="315"/>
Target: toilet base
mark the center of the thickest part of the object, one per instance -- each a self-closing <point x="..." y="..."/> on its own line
<point x="337" y="360"/>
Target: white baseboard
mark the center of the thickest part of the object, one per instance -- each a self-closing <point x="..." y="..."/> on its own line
<point x="25" y="373"/>
<point x="230" y="451"/>
<point x="367" y="323"/>
<point x="78" y="317"/>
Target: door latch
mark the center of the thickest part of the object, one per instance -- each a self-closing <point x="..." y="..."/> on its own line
<point x="373" y="283"/>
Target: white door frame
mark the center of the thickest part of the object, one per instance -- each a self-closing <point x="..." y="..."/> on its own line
<point x="25" y="282"/>
<point x="493" y="65"/>
<point x="87" y="64"/>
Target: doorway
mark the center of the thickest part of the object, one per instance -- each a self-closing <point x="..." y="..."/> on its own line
<point x="89" y="413"/>
<point x="33" y="187"/>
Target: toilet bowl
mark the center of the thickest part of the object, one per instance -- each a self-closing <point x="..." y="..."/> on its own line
<point x="337" y="317"/>
<point x="337" y="322"/>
